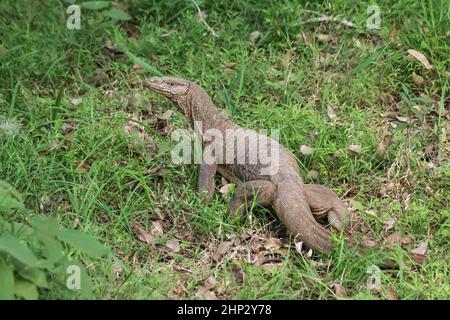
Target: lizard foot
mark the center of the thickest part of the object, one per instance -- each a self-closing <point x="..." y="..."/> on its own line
<point x="323" y="200"/>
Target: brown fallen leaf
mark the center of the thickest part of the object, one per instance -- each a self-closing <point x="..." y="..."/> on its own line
<point x="173" y="245"/>
<point x="354" y="149"/>
<point x="225" y="189"/>
<point x="391" y="293"/>
<point x="286" y="59"/>
<point x="141" y="233"/>
<point x="394" y="239"/>
<point x="389" y="224"/>
<point x="312" y="175"/>
<point x="331" y="113"/>
<point x="418" y="80"/>
<point x="339" y="290"/>
<point x="83" y="166"/>
<point x="137" y="68"/>
<point x="75" y="101"/>
<point x="166" y="115"/>
<point x="369" y="241"/>
<point x="255" y="35"/>
<point x="272" y="244"/>
<point x="238" y="273"/>
<point x="322" y="37"/>
<point x="419" y="253"/>
<point x="205" y="294"/>
<point x="157" y="229"/>
<point x="383" y="146"/>
<point x="305" y="150"/>
<point x="202" y="15"/>
<point x="222" y="249"/>
<point x="299" y="247"/>
<point x="421" y="58"/>
<point x="131" y="29"/>
<point x="403" y="119"/>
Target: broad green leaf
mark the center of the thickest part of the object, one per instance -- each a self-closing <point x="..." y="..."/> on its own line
<point x="9" y="197"/>
<point x="53" y="250"/>
<point x="86" y="284"/>
<point x="82" y="242"/>
<point x="47" y="225"/>
<point x="6" y="281"/>
<point x="25" y="289"/>
<point x="117" y="14"/>
<point x="20" y="230"/>
<point x="36" y="276"/>
<point x="95" y="5"/>
<point x="18" y="250"/>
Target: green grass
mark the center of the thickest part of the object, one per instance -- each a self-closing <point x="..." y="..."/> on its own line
<point x="94" y="176"/>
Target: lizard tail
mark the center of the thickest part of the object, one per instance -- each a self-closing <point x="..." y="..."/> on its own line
<point x="292" y="208"/>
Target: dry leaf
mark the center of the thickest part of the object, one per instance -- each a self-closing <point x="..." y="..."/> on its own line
<point x="117" y="270"/>
<point x="339" y="290"/>
<point x="254" y="36"/>
<point x="321" y="37"/>
<point x="418" y="80"/>
<point x="141" y="233"/>
<point x="299" y="247"/>
<point x="206" y="294"/>
<point x="369" y="241"/>
<point x="75" y="101"/>
<point x="421" y="249"/>
<point x="305" y="150"/>
<point x="403" y="119"/>
<point x="421" y="58"/>
<point x="83" y="166"/>
<point x="272" y="244"/>
<point x="406" y="240"/>
<point x="394" y="239"/>
<point x="238" y="273"/>
<point x="312" y="175"/>
<point x="354" y="149"/>
<point x="157" y="229"/>
<point x="305" y="37"/>
<point x="166" y="115"/>
<point x="224" y="190"/>
<point x="383" y="146"/>
<point x="223" y="248"/>
<point x="389" y="224"/>
<point x="286" y="59"/>
<point x="202" y="15"/>
<point x="419" y="253"/>
<point x="330" y="111"/>
<point x="173" y="245"/>
<point x="391" y="294"/>
<point x="137" y="68"/>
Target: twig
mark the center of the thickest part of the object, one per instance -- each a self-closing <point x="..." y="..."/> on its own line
<point x="203" y="20"/>
<point x="326" y="18"/>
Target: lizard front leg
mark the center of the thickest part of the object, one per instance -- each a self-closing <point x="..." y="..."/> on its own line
<point x="206" y="183"/>
<point x="324" y="200"/>
<point x="262" y="190"/>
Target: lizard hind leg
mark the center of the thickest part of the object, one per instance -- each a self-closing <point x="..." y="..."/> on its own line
<point x="324" y="200"/>
<point x="260" y="190"/>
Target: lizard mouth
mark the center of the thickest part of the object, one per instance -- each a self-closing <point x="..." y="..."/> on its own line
<point x="156" y="84"/>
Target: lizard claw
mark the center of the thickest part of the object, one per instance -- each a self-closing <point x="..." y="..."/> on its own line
<point x="323" y="200"/>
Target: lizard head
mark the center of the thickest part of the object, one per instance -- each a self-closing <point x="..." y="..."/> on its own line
<point x="172" y="88"/>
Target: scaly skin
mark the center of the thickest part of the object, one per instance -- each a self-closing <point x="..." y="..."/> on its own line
<point x="294" y="202"/>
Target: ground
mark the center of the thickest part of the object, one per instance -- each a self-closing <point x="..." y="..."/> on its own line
<point x="84" y="142"/>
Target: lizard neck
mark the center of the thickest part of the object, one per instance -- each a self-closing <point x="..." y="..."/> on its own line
<point x="198" y="107"/>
